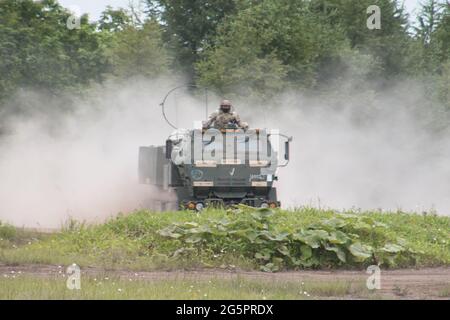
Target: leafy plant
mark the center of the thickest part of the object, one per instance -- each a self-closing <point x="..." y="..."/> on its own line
<point x="7" y="232"/>
<point x="330" y="242"/>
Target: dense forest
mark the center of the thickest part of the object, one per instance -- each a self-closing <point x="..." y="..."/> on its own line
<point x="242" y="47"/>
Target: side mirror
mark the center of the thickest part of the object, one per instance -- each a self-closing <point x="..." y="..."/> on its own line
<point x="286" y="150"/>
<point x="169" y="147"/>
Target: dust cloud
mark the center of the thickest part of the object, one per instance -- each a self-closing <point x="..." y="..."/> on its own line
<point x="349" y="154"/>
<point x="77" y="157"/>
<point x="79" y="160"/>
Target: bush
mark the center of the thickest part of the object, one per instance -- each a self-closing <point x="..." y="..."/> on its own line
<point x="343" y="240"/>
<point x="7" y="232"/>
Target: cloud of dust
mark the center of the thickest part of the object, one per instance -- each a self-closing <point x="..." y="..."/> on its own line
<point x="348" y="154"/>
<point x="81" y="161"/>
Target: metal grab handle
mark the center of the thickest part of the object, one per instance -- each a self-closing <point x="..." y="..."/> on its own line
<point x="286" y="148"/>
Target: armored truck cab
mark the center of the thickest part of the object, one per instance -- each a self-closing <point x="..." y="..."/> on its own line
<point x="215" y="167"/>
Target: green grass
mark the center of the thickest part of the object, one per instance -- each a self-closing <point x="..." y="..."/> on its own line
<point x="27" y="287"/>
<point x="224" y="239"/>
<point x="445" y="292"/>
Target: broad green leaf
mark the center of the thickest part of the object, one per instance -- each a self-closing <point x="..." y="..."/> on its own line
<point x="270" y="267"/>
<point x="339" y="253"/>
<point x="262" y="256"/>
<point x="335" y="223"/>
<point x="338" y="237"/>
<point x="193" y="239"/>
<point x="251" y="235"/>
<point x="283" y="250"/>
<point x="306" y="252"/>
<point x="168" y="232"/>
<point x="360" y="251"/>
<point x="360" y="225"/>
<point x="392" y="248"/>
<point x="191" y="224"/>
<point x="273" y="237"/>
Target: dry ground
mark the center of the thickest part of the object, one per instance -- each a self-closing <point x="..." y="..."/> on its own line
<point x="430" y="283"/>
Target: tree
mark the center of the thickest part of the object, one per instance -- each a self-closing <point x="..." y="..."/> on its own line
<point x="139" y="51"/>
<point x="190" y="25"/>
<point x="269" y="44"/>
<point x="431" y="39"/>
<point x="38" y="50"/>
<point x="114" y="20"/>
<point x="442" y="33"/>
<point x="388" y="45"/>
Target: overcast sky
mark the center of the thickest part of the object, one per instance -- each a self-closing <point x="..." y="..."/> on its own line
<point x="95" y="7"/>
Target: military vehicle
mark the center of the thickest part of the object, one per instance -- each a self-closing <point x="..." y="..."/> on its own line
<point x="211" y="167"/>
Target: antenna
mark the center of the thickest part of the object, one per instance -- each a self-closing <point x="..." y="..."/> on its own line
<point x="163" y="103"/>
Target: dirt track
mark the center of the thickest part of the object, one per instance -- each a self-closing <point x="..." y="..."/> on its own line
<point x="428" y="283"/>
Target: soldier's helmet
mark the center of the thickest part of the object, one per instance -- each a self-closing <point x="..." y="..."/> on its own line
<point x="225" y="106"/>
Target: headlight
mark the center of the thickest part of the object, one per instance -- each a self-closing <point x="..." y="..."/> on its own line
<point x="191" y="205"/>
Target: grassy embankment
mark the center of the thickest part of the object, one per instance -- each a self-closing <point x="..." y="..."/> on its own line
<point x="243" y="238"/>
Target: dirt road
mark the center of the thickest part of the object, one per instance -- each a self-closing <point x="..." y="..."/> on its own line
<point x="431" y="283"/>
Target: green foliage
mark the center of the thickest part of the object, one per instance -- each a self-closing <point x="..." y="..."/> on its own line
<point x="266" y="44"/>
<point x="190" y="25"/>
<point x="246" y="238"/>
<point x="138" y="51"/>
<point x="388" y="45"/>
<point x="38" y="50"/>
<point x="239" y="47"/>
<point x="113" y="286"/>
<point x="431" y="38"/>
<point x="442" y="34"/>
<point x="7" y="232"/>
<point x="114" y="20"/>
<point x="349" y="240"/>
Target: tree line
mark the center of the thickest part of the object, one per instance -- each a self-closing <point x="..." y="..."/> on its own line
<point x="241" y="47"/>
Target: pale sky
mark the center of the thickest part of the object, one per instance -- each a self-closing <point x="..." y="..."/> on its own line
<point x="95" y="7"/>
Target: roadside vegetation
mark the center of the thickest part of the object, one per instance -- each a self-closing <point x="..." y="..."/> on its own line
<point x="242" y="238"/>
<point x="103" y="287"/>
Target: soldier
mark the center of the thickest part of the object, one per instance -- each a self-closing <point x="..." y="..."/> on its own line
<point x="224" y="117"/>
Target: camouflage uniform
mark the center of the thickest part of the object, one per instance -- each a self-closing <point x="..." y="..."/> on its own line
<point x="220" y="120"/>
<point x="224" y="116"/>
